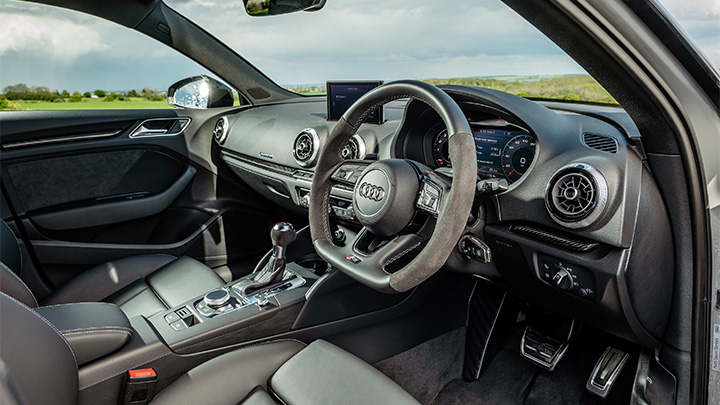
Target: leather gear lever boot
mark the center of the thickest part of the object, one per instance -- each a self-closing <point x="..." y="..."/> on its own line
<point x="282" y="235"/>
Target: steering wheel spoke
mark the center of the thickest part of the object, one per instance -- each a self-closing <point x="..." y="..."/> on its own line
<point x="348" y="172"/>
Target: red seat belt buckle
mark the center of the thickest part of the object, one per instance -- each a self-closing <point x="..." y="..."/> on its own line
<point x="139" y="386"/>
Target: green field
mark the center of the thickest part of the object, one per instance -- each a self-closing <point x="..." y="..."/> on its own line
<point x="93" y="104"/>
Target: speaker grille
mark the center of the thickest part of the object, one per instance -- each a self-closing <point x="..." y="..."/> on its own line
<point x="601" y="142"/>
<point x="576" y="195"/>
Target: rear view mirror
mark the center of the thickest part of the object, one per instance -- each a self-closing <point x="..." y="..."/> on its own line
<point x="261" y="8"/>
<point x="199" y="92"/>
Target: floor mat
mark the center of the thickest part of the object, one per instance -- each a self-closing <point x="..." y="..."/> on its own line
<point x="425" y="369"/>
<point x="503" y="382"/>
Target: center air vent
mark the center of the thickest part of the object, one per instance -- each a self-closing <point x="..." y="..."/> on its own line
<point x="220" y="133"/>
<point x="576" y="195"/>
<point x="305" y="148"/>
<point x="354" y="149"/>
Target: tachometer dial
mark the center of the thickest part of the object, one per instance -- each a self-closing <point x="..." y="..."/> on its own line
<point x="440" y="152"/>
<point x="517" y="156"/>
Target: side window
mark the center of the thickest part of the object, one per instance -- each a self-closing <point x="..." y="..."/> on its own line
<point x="57" y="59"/>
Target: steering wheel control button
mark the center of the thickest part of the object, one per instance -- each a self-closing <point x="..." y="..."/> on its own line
<point x="354" y="259"/>
<point x="429" y="197"/>
<point x="574" y="279"/>
<point x="217" y="299"/>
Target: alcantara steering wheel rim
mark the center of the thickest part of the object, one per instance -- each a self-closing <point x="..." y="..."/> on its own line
<point x="385" y="212"/>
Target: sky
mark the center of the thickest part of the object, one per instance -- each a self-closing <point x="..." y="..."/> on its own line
<point x="67" y="50"/>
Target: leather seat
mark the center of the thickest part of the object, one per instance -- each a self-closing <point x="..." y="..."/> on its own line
<point x="139" y="285"/>
<point x="35" y="355"/>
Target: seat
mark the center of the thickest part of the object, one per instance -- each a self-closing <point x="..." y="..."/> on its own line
<point x="34" y="355"/>
<point x="139" y="285"/>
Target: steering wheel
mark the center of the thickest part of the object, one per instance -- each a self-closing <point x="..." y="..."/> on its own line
<point x="389" y="194"/>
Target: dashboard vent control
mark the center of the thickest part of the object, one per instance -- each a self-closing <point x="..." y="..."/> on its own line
<point x="576" y="195"/>
<point x="220" y="133"/>
<point x="305" y="148"/>
<point x="601" y="142"/>
<point x="354" y="149"/>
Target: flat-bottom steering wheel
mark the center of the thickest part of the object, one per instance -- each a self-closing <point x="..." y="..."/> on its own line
<point x="389" y="193"/>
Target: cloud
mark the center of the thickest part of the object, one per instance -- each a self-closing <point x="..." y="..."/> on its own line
<point x="348" y="39"/>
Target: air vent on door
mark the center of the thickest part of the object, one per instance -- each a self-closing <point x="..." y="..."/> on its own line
<point x="601" y="142"/>
<point x="354" y="149"/>
<point x="576" y="195"/>
<point x="306" y="146"/>
<point x="220" y="133"/>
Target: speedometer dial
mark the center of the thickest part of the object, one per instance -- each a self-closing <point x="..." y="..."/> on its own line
<point x="440" y="152"/>
<point x="517" y="156"/>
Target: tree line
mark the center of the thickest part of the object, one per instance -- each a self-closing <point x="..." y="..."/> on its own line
<point x="21" y="91"/>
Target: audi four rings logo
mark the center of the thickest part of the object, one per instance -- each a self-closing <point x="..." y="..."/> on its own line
<point x="372" y="192"/>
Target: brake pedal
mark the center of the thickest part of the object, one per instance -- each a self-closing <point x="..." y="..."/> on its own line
<point x="606" y="371"/>
<point x="541" y="349"/>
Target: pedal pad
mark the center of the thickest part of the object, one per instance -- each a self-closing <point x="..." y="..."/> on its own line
<point x="606" y="370"/>
<point x="541" y="349"/>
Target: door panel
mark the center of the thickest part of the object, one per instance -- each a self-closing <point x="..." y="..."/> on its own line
<point x="82" y="199"/>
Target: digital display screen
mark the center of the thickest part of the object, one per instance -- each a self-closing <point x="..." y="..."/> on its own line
<point x="341" y="95"/>
<point x="489" y="145"/>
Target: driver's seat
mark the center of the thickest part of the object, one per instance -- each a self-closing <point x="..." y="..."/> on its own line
<point x="39" y="367"/>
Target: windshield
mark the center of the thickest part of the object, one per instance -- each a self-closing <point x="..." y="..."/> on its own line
<point x="480" y="43"/>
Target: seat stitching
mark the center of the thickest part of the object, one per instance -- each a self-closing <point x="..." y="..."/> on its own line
<point x="77" y="303"/>
<point x="47" y="322"/>
<point x="97" y="328"/>
<point x="21" y="282"/>
<point x="88" y="332"/>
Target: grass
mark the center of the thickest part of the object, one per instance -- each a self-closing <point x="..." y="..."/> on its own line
<point x="93" y="104"/>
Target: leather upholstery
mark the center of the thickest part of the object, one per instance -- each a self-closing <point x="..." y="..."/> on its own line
<point x="325" y="374"/>
<point x="39" y="360"/>
<point x="320" y="373"/>
<point x="93" y="329"/>
<point x="12" y="285"/>
<point x="140" y="285"/>
<point x="9" y="249"/>
<point x="230" y="378"/>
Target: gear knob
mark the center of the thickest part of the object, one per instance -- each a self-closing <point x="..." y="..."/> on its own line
<point x="282" y="235"/>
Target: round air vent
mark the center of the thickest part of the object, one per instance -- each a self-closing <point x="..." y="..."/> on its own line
<point x="355" y="149"/>
<point x="305" y="148"/>
<point x="222" y="127"/>
<point x="576" y="195"/>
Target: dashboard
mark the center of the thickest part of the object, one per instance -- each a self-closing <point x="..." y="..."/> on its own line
<point x="579" y="230"/>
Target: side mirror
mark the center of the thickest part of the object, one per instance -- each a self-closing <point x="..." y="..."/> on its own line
<point x="261" y="8"/>
<point x="199" y="92"/>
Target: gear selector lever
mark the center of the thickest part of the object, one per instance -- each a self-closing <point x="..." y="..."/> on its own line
<point x="282" y="235"/>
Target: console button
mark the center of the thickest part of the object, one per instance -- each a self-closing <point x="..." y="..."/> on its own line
<point x="179" y="325"/>
<point x="170" y="318"/>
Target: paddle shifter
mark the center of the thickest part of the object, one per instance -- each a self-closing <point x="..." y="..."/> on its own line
<point x="282" y="235"/>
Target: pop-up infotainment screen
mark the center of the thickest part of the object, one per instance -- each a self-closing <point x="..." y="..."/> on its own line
<point x="341" y="95"/>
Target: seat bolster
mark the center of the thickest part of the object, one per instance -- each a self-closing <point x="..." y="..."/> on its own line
<point x="325" y="374"/>
<point x="230" y="378"/>
<point x="99" y="282"/>
<point x="12" y="285"/>
<point x="183" y="279"/>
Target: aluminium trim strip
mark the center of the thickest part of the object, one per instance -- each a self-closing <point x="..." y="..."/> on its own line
<point x="60" y="139"/>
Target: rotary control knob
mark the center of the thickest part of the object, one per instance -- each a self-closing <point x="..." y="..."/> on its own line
<point x="563" y="279"/>
<point x="217" y="299"/>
